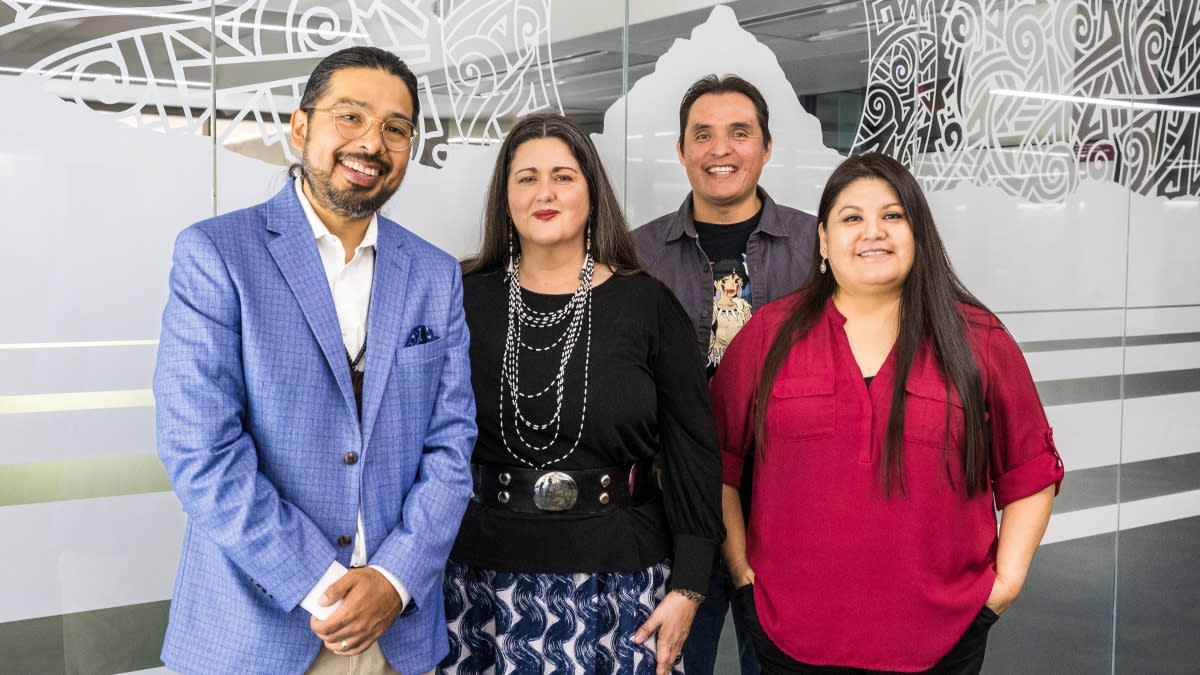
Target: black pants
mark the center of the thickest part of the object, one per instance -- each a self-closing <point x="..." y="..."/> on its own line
<point x="965" y="658"/>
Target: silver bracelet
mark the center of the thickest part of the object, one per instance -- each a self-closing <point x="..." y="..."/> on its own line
<point x="690" y="595"/>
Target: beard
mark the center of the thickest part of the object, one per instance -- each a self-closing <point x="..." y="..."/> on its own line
<point x="353" y="203"/>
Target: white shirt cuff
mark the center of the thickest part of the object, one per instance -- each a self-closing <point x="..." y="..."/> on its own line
<point x="405" y="596"/>
<point x="311" y="602"/>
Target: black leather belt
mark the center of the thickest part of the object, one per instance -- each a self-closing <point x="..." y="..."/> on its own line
<point x="527" y="490"/>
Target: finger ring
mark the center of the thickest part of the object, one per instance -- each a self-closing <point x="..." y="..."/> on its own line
<point x="345" y="646"/>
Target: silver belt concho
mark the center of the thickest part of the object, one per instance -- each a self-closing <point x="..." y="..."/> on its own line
<point x="555" y="491"/>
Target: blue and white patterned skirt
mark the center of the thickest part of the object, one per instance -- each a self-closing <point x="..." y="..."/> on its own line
<point x="506" y="623"/>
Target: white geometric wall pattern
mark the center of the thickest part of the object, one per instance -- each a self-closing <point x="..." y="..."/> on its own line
<point x="1033" y="96"/>
<point x="497" y="63"/>
<point x="254" y="56"/>
<point x="161" y="61"/>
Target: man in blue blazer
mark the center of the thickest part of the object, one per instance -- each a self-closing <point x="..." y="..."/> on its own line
<point x="314" y="405"/>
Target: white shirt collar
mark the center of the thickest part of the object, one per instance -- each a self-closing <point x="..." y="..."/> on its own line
<point x="318" y="226"/>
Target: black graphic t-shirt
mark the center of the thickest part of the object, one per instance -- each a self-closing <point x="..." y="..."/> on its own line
<point x="725" y="246"/>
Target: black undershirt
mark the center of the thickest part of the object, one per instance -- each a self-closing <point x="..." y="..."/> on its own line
<point x="726" y="242"/>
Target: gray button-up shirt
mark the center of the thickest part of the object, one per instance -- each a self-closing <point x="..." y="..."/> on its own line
<point x="778" y="259"/>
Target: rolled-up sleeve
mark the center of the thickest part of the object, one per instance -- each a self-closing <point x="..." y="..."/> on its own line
<point x="1024" y="459"/>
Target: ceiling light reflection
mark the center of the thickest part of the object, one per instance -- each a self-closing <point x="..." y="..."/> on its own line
<point x="1107" y="102"/>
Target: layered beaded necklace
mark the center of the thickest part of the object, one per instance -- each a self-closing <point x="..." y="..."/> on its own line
<point x="576" y="319"/>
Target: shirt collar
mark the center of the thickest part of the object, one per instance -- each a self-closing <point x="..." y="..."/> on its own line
<point x="685" y="223"/>
<point x="770" y="223"/>
<point x="318" y="226"/>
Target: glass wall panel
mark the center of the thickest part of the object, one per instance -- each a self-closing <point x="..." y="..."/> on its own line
<point x="1159" y="159"/>
<point x="103" y="156"/>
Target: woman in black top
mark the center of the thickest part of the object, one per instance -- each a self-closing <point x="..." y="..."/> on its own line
<point x="587" y="546"/>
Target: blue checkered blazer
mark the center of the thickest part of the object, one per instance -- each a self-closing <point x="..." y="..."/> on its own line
<point x="255" y="413"/>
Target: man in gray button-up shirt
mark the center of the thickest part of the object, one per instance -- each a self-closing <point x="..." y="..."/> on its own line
<point x="724" y="143"/>
<point x="727" y="251"/>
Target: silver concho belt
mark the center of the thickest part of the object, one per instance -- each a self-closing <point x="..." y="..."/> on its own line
<point x="555" y="491"/>
<point x="528" y="490"/>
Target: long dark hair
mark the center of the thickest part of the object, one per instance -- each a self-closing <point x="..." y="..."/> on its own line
<point x="930" y="310"/>
<point x="611" y="242"/>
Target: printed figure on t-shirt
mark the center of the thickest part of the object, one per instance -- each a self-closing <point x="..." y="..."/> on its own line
<point x="731" y="306"/>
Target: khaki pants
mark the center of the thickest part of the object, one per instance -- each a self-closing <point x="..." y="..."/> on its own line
<point x="370" y="662"/>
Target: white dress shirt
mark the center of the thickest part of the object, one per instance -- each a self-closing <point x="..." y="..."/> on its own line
<point x="350" y="285"/>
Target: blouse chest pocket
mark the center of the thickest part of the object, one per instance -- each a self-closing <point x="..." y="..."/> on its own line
<point x="925" y="413"/>
<point x="801" y="408"/>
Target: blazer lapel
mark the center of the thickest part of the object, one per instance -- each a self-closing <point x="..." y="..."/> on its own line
<point x="295" y="253"/>
<point x="384" y="319"/>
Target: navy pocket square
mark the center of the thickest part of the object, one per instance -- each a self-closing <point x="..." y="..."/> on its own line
<point x="420" y="335"/>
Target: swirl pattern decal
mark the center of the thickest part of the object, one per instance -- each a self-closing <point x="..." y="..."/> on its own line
<point x="496" y="64"/>
<point x="252" y="58"/>
<point x="1032" y="97"/>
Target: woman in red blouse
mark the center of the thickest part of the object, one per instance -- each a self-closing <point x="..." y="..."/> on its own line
<point x="897" y="414"/>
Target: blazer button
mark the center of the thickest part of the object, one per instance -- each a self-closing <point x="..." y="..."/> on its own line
<point x="344" y="540"/>
<point x="350" y="458"/>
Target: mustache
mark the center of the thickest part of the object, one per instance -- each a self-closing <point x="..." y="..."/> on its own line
<point x="376" y="158"/>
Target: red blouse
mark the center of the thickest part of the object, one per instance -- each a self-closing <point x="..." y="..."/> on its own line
<point x="844" y="575"/>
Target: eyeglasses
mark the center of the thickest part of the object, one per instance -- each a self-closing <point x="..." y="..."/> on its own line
<point x="352" y="122"/>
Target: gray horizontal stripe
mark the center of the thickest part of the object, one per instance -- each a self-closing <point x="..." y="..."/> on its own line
<point x="81" y="479"/>
<point x="1080" y="390"/>
<point x="1066" y="310"/>
<point x="1138" y="385"/>
<point x="1181" y="306"/>
<point x="1157" y="477"/>
<point x="1108" y="387"/>
<point x="1161" y="339"/>
<point x="1089" y="488"/>
<point x="99" y="642"/>
<point x="1063" y="345"/>
<point x="1102" y="342"/>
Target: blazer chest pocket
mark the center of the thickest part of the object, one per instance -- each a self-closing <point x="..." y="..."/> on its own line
<point x="422" y="352"/>
<point x="801" y="408"/>
<point x="925" y="413"/>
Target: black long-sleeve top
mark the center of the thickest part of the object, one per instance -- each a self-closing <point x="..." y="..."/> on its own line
<point x="646" y="396"/>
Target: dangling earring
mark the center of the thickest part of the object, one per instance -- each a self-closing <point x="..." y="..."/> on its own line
<point x="512" y="262"/>
<point x="824" y="267"/>
<point x="587" y="239"/>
